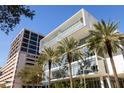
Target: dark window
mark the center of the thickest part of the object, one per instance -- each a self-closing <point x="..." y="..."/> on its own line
<point x="26" y="35"/>
<point x="29" y="64"/>
<point x="24" y="49"/>
<point x="30" y="59"/>
<point x="27" y="32"/>
<point x="31" y="51"/>
<point x="32" y="42"/>
<point x="25" y="40"/>
<point x="25" y="45"/>
<point x="33" y="38"/>
<point x="32" y="47"/>
<point x="34" y="35"/>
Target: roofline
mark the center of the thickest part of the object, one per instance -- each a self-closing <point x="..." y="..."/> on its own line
<point x="34" y="32"/>
<point x="81" y="10"/>
<point x="23" y="29"/>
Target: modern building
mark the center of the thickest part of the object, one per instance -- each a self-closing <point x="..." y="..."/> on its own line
<point x="96" y="74"/>
<point x="23" y="52"/>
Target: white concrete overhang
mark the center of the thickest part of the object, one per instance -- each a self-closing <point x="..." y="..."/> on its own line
<point x="76" y="16"/>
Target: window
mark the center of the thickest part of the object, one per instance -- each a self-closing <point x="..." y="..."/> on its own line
<point x="33" y="43"/>
<point x="32" y="47"/>
<point x="25" y="40"/>
<point x="29" y="64"/>
<point x="30" y="59"/>
<point x="27" y="32"/>
<point x="25" y="45"/>
<point x="24" y="49"/>
<point x="26" y="35"/>
<point x="33" y="38"/>
<point x="31" y="51"/>
<point x="34" y="35"/>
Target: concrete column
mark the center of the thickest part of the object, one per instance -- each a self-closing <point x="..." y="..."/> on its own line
<point x="102" y="83"/>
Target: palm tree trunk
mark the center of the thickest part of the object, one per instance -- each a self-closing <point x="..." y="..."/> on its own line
<point x="107" y="71"/>
<point x="112" y="63"/>
<point x="69" y="57"/>
<point x="50" y="61"/>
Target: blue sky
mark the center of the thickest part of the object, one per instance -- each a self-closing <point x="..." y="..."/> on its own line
<point x="48" y="18"/>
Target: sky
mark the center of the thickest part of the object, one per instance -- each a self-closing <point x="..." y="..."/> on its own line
<point x="47" y="18"/>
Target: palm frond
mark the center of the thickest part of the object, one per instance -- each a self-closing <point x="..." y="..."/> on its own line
<point x="103" y="33"/>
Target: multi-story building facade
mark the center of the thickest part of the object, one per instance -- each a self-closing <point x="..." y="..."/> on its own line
<point x="96" y="74"/>
<point x="23" y="52"/>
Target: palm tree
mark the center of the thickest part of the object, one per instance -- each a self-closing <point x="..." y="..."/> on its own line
<point x="67" y="47"/>
<point x="105" y="37"/>
<point x="49" y="55"/>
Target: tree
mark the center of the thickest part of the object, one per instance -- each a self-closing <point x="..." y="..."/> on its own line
<point x="49" y="56"/>
<point x="31" y="75"/>
<point x="67" y="47"/>
<point x="10" y="16"/>
<point x="106" y="38"/>
<point x="24" y="75"/>
<point x="36" y="74"/>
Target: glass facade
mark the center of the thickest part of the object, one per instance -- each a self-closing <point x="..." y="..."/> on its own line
<point x="31" y="51"/>
<point x="32" y="47"/>
<point x="33" y="42"/>
<point x="33" y="38"/>
<point x="30" y="42"/>
<point x="24" y="45"/>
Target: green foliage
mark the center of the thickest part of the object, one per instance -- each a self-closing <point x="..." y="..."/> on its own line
<point x="24" y="75"/>
<point x="106" y="39"/>
<point x="58" y="73"/>
<point x="48" y="56"/>
<point x="66" y="84"/>
<point x="78" y="84"/>
<point x="36" y="75"/>
<point x="10" y="16"/>
<point x="60" y="84"/>
<point x="68" y="47"/>
<point x="31" y="75"/>
<point x="103" y="34"/>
